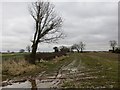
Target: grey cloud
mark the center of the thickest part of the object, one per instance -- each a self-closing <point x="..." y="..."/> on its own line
<point x="87" y="9"/>
<point x="94" y="23"/>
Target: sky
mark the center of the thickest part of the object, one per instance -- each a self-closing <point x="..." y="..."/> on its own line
<point x="94" y="23"/>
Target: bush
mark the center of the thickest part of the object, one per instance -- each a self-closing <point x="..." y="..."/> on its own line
<point x="22" y="51"/>
<point x="46" y="56"/>
<point x="117" y="50"/>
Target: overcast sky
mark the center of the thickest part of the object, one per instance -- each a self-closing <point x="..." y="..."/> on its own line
<point x="94" y="23"/>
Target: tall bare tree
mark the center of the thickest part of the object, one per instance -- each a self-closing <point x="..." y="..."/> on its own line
<point x="47" y="25"/>
<point x="113" y="43"/>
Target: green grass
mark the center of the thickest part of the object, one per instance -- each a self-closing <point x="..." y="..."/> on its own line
<point x="103" y="65"/>
<point x="16" y="66"/>
<point x="108" y="67"/>
<point x="52" y="66"/>
<point x="11" y="56"/>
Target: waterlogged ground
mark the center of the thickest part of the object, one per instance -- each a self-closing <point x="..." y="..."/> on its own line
<point x="78" y="70"/>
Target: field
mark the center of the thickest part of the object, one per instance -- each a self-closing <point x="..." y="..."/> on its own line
<point x="76" y="70"/>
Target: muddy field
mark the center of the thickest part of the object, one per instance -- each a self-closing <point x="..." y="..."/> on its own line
<point x="76" y="70"/>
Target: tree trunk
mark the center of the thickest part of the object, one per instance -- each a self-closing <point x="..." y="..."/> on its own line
<point x="78" y="51"/>
<point x="33" y="84"/>
<point x="113" y="49"/>
<point x="33" y="53"/>
<point x="81" y="50"/>
<point x="29" y="51"/>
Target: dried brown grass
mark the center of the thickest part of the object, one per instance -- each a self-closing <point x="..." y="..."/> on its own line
<point x="14" y="68"/>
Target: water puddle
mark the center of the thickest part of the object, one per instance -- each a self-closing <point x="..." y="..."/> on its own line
<point x="33" y="84"/>
<point x="48" y="81"/>
<point x="25" y="84"/>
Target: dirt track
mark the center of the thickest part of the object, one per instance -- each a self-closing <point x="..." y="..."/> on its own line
<point x="75" y="73"/>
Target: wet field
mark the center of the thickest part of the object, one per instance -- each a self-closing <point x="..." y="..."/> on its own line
<point x="86" y="70"/>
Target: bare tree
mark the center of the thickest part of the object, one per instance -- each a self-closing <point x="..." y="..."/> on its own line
<point x="56" y="49"/>
<point x="28" y="48"/>
<point x="64" y="49"/>
<point x="22" y="51"/>
<point x="47" y="25"/>
<point x="113" y="43"/>
<point x="79" y="47"/>
<point x="75" y="46"/>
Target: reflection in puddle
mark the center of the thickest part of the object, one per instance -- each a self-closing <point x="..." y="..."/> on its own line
<point x="25" y="84"/>
<point x="48" y="82"/>
<point x="33" y="84"/>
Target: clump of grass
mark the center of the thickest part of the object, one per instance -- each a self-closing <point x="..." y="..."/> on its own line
<point x="21" y="67"/>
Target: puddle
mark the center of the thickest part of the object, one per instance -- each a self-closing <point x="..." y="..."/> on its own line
<point x="25" y="84"/>
<point x="47" y="83"/>
<point x="50" y="81"/>
<point x="33" y="84"/>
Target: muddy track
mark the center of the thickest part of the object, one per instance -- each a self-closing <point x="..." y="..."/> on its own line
<point x="62" y="75"/>
<point x="73" y="71"/>
<point x="50" y="81"/>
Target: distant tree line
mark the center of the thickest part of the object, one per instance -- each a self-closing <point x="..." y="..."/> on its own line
<point x="78" y="46"/>
<point x="61" y="49"/>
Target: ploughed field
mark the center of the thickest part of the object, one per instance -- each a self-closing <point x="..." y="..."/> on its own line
<point x="74" y="70"/>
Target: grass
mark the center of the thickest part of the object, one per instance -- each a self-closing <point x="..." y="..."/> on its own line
<point x="102" y="65"/>
<point x="105" y="63"/>
<point x="17" y="67"/>
<point x="12" y="56"/>
<point x="14" y="65"/>
<point x="53" y="66"/>
<point x="12" y="69"/>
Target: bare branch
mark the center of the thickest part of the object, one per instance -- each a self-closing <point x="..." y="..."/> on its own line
<point x="52" y="38"/>
<point x="47" y="24"/>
